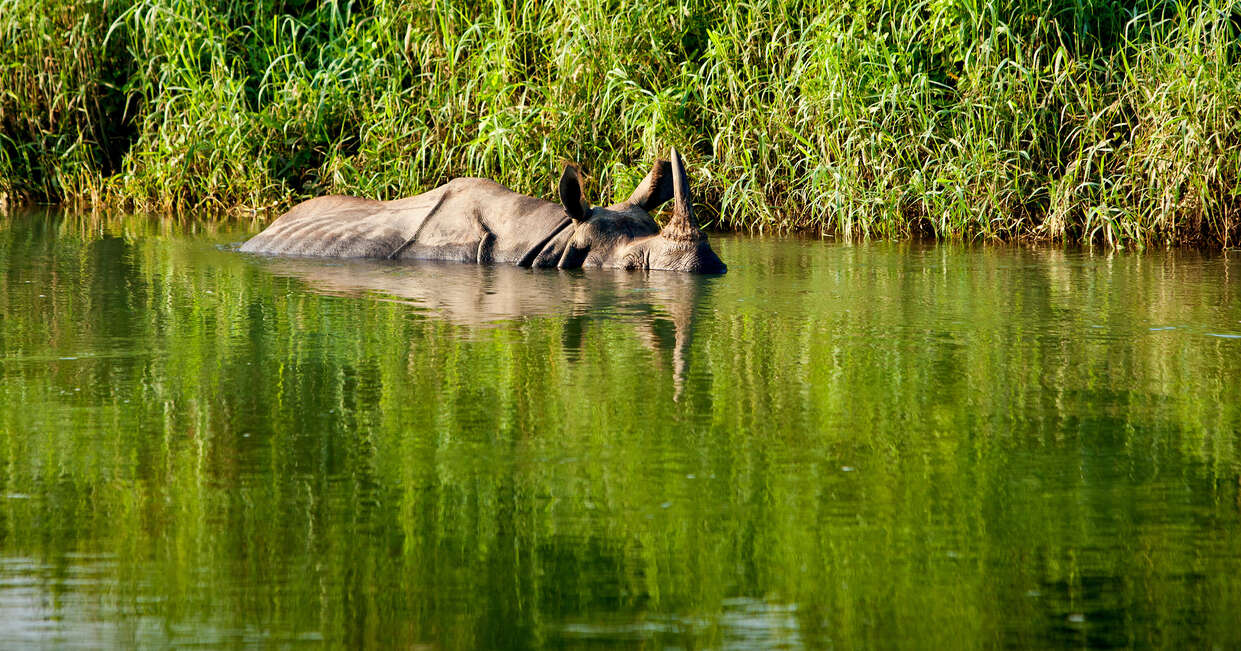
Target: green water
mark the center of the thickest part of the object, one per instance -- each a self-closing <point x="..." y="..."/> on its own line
<point x="848" y="446"/>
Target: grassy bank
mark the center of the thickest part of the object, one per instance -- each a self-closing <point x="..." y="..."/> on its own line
<point x="1075" y="121"/>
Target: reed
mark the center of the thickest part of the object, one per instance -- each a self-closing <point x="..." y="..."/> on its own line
<point x="1083" y="121"/>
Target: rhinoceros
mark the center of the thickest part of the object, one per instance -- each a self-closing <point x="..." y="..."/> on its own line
<point x="478" y="220"/>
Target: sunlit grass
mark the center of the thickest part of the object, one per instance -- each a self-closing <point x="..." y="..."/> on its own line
<point x="1070" y="121"/>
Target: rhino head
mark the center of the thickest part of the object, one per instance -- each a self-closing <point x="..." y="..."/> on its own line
<point x="625" y="236"/>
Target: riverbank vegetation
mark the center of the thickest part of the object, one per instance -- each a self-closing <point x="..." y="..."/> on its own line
<point x="1109" y="122"/>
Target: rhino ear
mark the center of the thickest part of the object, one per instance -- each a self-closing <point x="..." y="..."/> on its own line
<point x="655" y="189"/>
<point x="571" y="195"/>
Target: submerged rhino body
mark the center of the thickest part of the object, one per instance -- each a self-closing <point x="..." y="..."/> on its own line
<point x="481" y="221"/>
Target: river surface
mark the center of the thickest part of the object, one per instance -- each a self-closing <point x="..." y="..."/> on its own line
<point x="832" y="446"/>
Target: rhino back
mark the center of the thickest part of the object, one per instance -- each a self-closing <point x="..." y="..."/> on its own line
<point x="345" y="227"/>
<point x="465" y="220"/>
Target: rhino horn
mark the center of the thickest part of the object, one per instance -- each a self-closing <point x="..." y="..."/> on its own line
<point x="682" y="225"/>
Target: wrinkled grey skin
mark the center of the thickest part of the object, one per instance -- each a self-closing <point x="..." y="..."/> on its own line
<point x="481" y="221"/>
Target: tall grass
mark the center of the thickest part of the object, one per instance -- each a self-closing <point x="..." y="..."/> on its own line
<point x="1081" y="120"/>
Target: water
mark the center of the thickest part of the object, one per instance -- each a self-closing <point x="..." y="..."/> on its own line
<point x="831" y="446"/>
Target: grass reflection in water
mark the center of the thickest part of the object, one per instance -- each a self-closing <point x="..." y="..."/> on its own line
<point x="858" y="446"/>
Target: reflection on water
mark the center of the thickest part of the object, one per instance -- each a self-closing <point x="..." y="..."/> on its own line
<point x="830" y="446"/>
<point x="742" y="623"/>
<point x="658" y="305"/>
